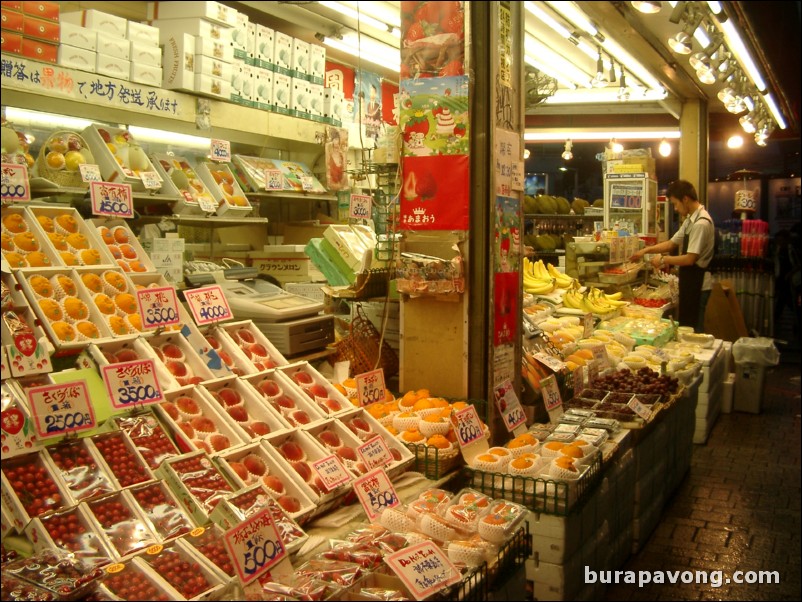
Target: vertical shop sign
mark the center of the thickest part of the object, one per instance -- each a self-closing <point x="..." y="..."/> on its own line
<point x="507" y="155"/>
<point x="506" y="292"/>
<point x="505" y="46"/>
<point x="507" y="244"/>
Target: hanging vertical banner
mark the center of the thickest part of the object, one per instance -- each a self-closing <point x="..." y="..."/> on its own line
<point x="505" y="46"/>
<point x="434" y="116"/>
<point x="432" y="39"/>
<point x="506" y="293"/>
<point x="435" y="193"/>
<point x="368" y="102"/>
<point x="336" y="158"/>
<point x="507" y="245"/>
<point x="507" y="154"/>
<point x="389" y="103"/>
<point x="340" y="78"/>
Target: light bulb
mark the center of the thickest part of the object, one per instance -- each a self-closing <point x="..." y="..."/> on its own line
<point x="680" y="43"/>
<point x="735" y="141"/>
<point x="747" y="124"/>
<point x="648" y="8"/>
<point x="665" y="148"/>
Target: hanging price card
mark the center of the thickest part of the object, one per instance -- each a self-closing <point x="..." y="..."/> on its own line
<point x="14" y="185"/>
<point x="90" y="172"/>
<point x="220" y="151"/>
<point x="331" y="472"/>
<point x="509" y="406"/>
<point x="158" y="307"/>
<point x="370" y="387"/>
<point x="639" y="408"/>
<point x="424" y="568"/>
<point x="360" y="206"/>
<point x="274" y="179"/>
<point x="376" y="493"/>
<point x="375" y="453"/>
<point x="130" y="383"/>
<point x="207" y="203"/>
<point x="551" y="392"/>
<point x="254" y="546"/>
<point x="550" y="361"/>
<point x="61" y="409"/>
<point x="588" y="324"/>
<point x="600" y="356"/>
<point x="579" y="380"/>
<point x="151" y="180"/>
<point x="111" y="200"/>
<point x="307" y="183"/>
<point x="467" y="426"/>
<point x="208" y="304"/>
<point x="593" y="371"/>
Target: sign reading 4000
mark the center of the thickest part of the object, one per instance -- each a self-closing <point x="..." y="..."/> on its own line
<point x="208" y="304"/>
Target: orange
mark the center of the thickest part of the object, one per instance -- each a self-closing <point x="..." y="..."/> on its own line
<point x="572" y="451"/>
<point x="46" y="223"/>
<point x="37" y="259"/>
<point x="565" y="463"/>
<point x="522" y="463"/>
<point x="439" y="442"/>
<point x="554" y="445"/>
<point x="68" y="258"/>
<point x="412" y="436"/>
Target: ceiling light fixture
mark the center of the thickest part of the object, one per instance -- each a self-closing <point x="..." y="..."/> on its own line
<point x="623" y="91"/>
<point x="599" y="80"/>
<point x="366" y="49"/>
<point x="567" y="154"/>
<point x="360" y="16"/>
<point x="665" y="148"/>
<point x="649" y="8"/>
<point x="616" y="147"/>
<point x="735" y="141"/>
<point x="527" y="152"/>
<point x="682" y="42"/>
<point x="590" y="134"/>
<point x="535" y="48"/>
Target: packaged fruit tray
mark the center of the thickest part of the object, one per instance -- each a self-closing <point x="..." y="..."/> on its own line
<point x="118" y="519"/>
<point x="286" y="398"/>
<point x="80" y="470"/>
<point x="180" y="358"/>
<point x="255" y="345"/>
<point x="181" y="180"/>
<point x="255" y="464"/>
<point x="64" y="306"/>
<point x="224" y="187"/>
<point x="71" y="530"/>
<point x="339" y="440"/>
<point x="133" y="580"/>
<point x="209" y="542"/>
<point x="120" y="459"/>
<point x="148" y="436"/>
<point x="323" y="393"/>
<point x="182" y="569"/>
<point x="130" y="350"/>
<point x="60" y="158"/>
<point x="23" y="241"/>
<point x="122" y="244"/>
<point x="118" y="155"/>
<point x="366" y="427"/>
<point x="232" y="355"/>
<point x="114" y="296"/>
<point x="31" y="488"/>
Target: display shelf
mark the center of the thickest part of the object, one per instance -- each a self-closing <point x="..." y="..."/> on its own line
<point x="215" y="222"/>
<point x="284" y="195"/>
<point x="67" y="195"/>
<point x="559" y="216"/>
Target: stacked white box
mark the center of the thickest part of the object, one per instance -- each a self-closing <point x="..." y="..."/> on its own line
<point x="317" y="64"/>
<point x="142" y="33"/>
<point x="178" y="61"/>
<point x="264" y="47"/>
<point x="242" y="83"/>
<point x="97" y="21"/>
<point x="197" y="27"/>
<point x="333" y="105"/>
<point x="214" y="11"/>
<point x="78" y="36"/>
<point x="212" y="67"/>
<point x="240" y="42"/>
<point x="263" y="88"/>
<point x="299" y="65"/>
<point x="73" y="57"/>
<point x="316" y="101"/>
<point x="282" y="53"/>
<point x="281" y="93"/>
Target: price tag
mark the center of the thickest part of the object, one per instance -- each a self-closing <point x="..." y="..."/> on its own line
<point x="130" y="383"/>
<point x="254" y="546"/>
<point x="593" y="371"/>
<point x="509" y="406"/>
<point x="639" y="408"/>
<point x="424" y="568"/>
<point x="579" y="380"/>
<point x="90" y="172"/>
<point x="274" y="179"/>
<point x="600" y="356"/>
<point x="111" y="200"/>
<point x="376" y="493"/>
<point x="220" y="151"/>
<point x="360" y="206"/>
<point x="467" y="426"/>
<point x="307" y="183"/>
<point x="331" y="471"/>
<point x="375" y="453"/>
<point x="207" y="204"/>
<point x="551" y="392"/>
<point x="158" y="307"/>
<point x="61" y="409"/>
<point x="588" y="323"/>
<point x="518" y="176"/>
<point x="370" y="387"/>
<point x="660" y="353"/>
<point x="551" y="362"/>
<point x="14" y="185"/>
<point x="208" y="304"/>
<point x="151" y="180"/>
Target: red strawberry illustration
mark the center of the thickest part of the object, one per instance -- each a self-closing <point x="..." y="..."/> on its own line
<point x="26" y="343"/>
<point x="12" y="420"/>
<point x="427" y="186"/>
<point x="460" y="130"/>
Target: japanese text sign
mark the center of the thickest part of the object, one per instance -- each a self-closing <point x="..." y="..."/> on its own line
<point x="370" y="387"/>
<point x="220" y="150"/>
<point x="151" y="180"/>
<point x="600" y="356"/>
<point x="639" y="408"/>
<point x="208" y="304"/>
<point x="158" y="307"/>
<point x="254" y="546"/>
<point x="551" y="392"/>
<point x="331" y="472"/>
<point x="14" y="186"/>
<point x="111" y="200"/>
<point x="134" y="382"/>
<point x="549" y="361"/>
<point x="467" y="426"/>
<point x="376" y="493"/>
<point x="360" y="206"/>
<point x="90" y="172"/>
<point x="61" y="409"/>
<point x="274" y="179"/>
<point x="424" y="568"/>
<point x="509" y="406"/>
<point x="587" y="323"/>
<point x="375" y="453"/>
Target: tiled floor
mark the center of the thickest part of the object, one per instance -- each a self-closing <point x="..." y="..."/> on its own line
<point x="738" y="509"/>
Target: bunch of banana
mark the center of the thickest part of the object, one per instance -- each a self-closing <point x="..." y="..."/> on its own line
<point x="573" y="299"/>
<point x="562" y="280"/>
<point x="593" y="300"/>
<point x="537" y="280"/>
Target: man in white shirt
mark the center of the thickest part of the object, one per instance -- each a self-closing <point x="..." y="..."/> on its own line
<point x="695" y="241"/>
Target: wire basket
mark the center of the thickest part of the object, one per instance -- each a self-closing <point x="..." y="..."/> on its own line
<point x="361" y="348"/>
<point x="60" y="176"/>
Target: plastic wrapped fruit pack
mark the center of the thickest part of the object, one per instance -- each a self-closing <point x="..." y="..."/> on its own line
<point x="209" y="542"/>
<point x="130" y="582"/>
<point x="60" y="573"/>
<point x="161" y="509"/>
<point x="33" y="484"/>
<point x="149" y="438"/>
<point x="202" y="479"/>
<point x="178" y="568"/>
<point x="120" y="456"/>
<point x="73" y="532"/>
<point x="124" y="529"/>
<point x="254" y="500"/>
<point x="79" y="470"/>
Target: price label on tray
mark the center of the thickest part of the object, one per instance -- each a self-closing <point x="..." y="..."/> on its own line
<point x="467" y="426"/>
<point x="593" y="371"/>
<point x="158" y="307"/>
<point x="90" y="172"/>
<point x="151" y="180"/>
<point x="307" y="183"/>
<point x="61" y="409"/>
<point x="588" y="323"/>
<point x="639" y="408"/>
<point x="360" y="206"/>
<point x="551" y="392"/>
<point x="376" y="493"/>
<point x="549" y="361"/>
<point x="509" y="406"/>
<point x="132" y="383"/>
<point x="375" y="453"/>
<point x="207" y="204"/>
<point x="600" y="356"/>
<point x="208" y="304"/>
<point x="14" y="184"/>
<point x="274" y="179"/>
<point x="424" y="568"/>
<point x="331" y="472"/>
<point x="370" y="387"/>
<point x="220" y="151"/>
<point x="579" y="380"/>
<point x="255" y="546"/>
<point x="112" y="200"/>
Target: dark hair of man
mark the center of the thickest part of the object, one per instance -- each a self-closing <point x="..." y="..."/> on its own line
<point x="681" y="189"/>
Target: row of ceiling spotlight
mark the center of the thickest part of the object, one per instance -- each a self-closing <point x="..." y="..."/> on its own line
<point x="664" y="149"/>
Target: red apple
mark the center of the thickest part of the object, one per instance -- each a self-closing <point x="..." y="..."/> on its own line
<point x="225" y="357"/>
<point x="215" y="344"/>
<point x="110" y="357"/>
<point x="254" y="464"/>
<point x="268" y="364"/>
<point x="259" y="428"/>
<point x="127" y="355"/>
<point x="171" y="410"/>
<point x="302" y="378"/>
<point x="219" y="442"/>
<point x="274" y="483"/>
<point x="292" y="451"/>
<point x="238" y="413"/>
<point x="361" y="425"/>
<point x="240" y="470"/>
<point x="289" y="503"/>
<point x="269" y="388"/>
<point x="194" y="380"/>
<point x="332" y="404"/>
<point x="230" y="397"/>
<point x="330" y="439"/>
<point x="316" y="391"/>
<point x="286" y="402"/>
<point x="177" y="369"/>
<point x="360" y="468"/>
<point x="300" y="417"/>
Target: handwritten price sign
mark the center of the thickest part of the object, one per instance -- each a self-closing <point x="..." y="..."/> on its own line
<point x="208" y="304"/>
<point x="370" y="387"/>
<point x="307" y="183"/>
<point x="111" y="200"/>
<point x="360" y="206"/>
<point x="588" y="324"/>
<point x="509" y="406"/>
<point x="90" y="172"/>
<point x="331" y="472"/>
<point x="158" y="307"/>
<point x="639" y="408"/>
<point x="61" y="409"/>
<point x="132" y="382"/>
<point x="151" y="180"/>
<point x="600" y="356"/>
<point x="375" y="453"/>
<point x="424" y="568"/>
<point x="14" y="185"/>
<point x="549" y="361"/>
<point x="274" y="179"/>
<point x="220" y="151"/>
<point x="579" y="380"/>
<point x="593" y="371"/>
<point x="551" y="392"/>
<point x="376" y="493"/>
<point x="467" y="426"/>
<point x="254" y="546"/>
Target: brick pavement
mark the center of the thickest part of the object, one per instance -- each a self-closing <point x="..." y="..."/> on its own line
<point x="739" y="506"/>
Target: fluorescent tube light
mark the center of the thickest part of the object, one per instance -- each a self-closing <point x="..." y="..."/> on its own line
<point x="550" y="72"/>
<point x="23" y="117"/>
<point x="360" y="16"/>
<point x="536" y="48"/>
<point x="172" y="138"/>
<point x="736" y="46"/>
<point x="775" y="111"/>
<point x="370" y="55"/>
<point x="590" y="134"/>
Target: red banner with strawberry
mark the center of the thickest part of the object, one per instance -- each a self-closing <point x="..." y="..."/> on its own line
<point x="432" y="39"/>
<point x="435" y="193"/>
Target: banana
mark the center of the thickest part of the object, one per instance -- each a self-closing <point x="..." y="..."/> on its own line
<point x="539" y="287"/>
<point x="572" y="299"/>
<point x="614" y="296"/>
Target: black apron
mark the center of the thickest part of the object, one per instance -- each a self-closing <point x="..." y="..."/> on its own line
<point x="691" y="278"/>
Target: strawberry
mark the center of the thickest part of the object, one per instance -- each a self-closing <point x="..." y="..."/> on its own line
<point x="12" y="420"/>
<point x="452" y="68"/>
<point x="453" y="24"/>
<point x="459" y="130"/>
<point x="414" y="33"/>
<point x="428" y="12"/>
<point x="418" y="123"/>
<point x="427" y="186"/>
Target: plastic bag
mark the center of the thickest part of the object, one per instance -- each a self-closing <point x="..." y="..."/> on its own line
<point x="759" y="351"/>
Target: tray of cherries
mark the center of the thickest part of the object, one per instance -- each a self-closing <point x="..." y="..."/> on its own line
<point x="131" y="581"/>
<point x="149" y="438"/>
<point x="254" y="499"/>
<point x="70" y="530"/>
<point x="123" y="527"/>
<point x="162" y="510"/>
<point x="65" y="576"/>
<point x="209" y="542"/>
<point x="32" y="484"/>
<point x="179" y="567"/>
<point x="79" y="469"/>
<point x="201" y="479"/>
<point x="119" y="455"/>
